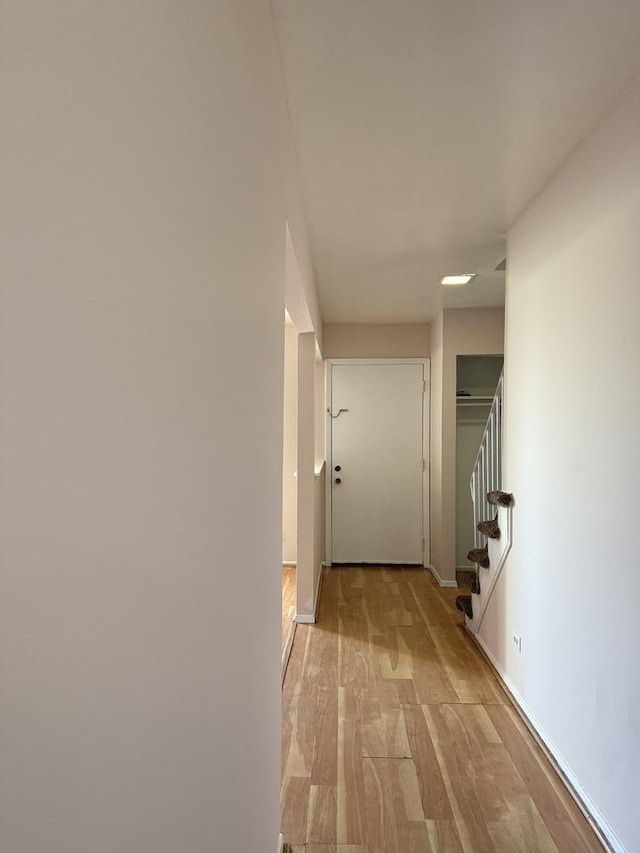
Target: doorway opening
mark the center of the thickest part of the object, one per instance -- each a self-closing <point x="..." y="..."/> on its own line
<point x="289" y="485"/>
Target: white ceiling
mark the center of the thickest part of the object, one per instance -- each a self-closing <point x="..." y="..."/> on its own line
<point x="424" y="126"/>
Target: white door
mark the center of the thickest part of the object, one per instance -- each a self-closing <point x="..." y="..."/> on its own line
<point x="377" y="468"/>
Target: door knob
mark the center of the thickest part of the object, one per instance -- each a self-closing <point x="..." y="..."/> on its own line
<point x="338" y="480"/>
<point x="337" y="468"/>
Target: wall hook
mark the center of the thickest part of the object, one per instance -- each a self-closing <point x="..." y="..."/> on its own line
<point x="340" y="411"/>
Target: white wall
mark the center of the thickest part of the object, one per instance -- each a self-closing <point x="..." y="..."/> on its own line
<point x="141" y="391"/>
<point x="290" y="446"/>
<point x="572" y="459"/>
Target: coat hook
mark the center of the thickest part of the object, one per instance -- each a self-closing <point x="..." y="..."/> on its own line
<point x="339" y="413"/>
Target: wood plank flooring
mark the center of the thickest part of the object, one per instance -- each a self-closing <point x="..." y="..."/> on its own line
<point x="397" y="736"/>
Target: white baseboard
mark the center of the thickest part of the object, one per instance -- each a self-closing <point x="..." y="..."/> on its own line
<point x="446" y="584"/>
<point x="291" y="563"/>
<point x="280" y="847"/>
<point x="586" y="805"/>
<point x="312" y="618"/>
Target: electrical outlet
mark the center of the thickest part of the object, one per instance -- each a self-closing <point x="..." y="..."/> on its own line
<point x="517" y="642"/>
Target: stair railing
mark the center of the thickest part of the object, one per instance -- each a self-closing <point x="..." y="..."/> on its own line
<point x="487" y="471"/>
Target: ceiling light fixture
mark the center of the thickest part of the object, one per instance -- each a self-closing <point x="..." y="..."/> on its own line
<point x="458" y="279"/>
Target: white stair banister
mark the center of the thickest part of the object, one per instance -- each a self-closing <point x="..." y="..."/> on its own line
<point x="487" y="477"/>
<point x="487" y="471"/>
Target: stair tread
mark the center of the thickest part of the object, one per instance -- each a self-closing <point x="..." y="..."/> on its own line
<point x="464" y="603"/>
<point x="479" y="556"/>
<point x="489" y="528"/>
<point x="498" y="498"/>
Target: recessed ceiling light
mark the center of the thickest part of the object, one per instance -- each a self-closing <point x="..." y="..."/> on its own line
<point x="458" y="279"/>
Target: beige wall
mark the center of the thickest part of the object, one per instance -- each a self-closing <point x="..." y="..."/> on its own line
<point x="572" y="459"/>
<point x="457" y="331"/>
<point x="290" y="446"/>
<point x="141" y="388"/>
<point x="367" y="340"/>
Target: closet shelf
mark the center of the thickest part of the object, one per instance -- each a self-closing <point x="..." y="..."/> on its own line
<point x="474" y="401"/>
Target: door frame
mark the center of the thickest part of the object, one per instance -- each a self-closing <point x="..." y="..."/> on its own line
<point x="426" y="410"/>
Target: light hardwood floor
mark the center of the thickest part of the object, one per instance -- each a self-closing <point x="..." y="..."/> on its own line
<point x="398" y="738"/>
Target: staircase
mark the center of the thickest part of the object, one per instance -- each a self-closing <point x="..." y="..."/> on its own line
<point x="492" y="510"/>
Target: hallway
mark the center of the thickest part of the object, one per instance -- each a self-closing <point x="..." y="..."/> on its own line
<point x="398" y="737"/>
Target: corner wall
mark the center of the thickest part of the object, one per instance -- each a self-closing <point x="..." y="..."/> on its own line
<point x="435" y="440"/>
<point x="572" y="460"/>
